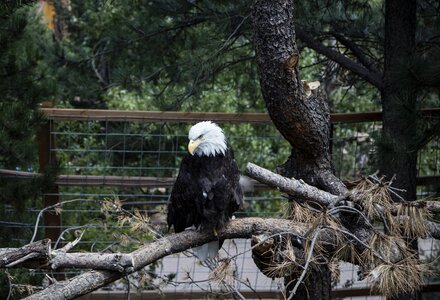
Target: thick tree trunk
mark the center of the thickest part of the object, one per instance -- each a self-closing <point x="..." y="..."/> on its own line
<point x="315" y="286"/>
<point x="399" y="100"/>
<point x="398" y="153"/>
<point x="303" y="120"/>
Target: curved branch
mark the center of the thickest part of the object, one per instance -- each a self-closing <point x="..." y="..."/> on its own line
<point x="240" y="228"/>
<point x="370" y="76"/>
<point x="92" y="280"/>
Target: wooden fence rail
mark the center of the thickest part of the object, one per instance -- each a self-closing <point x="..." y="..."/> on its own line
<point x="148" y="182"/>
<point x="65" y="114"/>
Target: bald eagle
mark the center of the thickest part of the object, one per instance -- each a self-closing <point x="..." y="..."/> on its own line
<point x="207" y="190"/>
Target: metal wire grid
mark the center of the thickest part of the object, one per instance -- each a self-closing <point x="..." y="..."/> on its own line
<point x="353" y="148"/>
<point x="429" y="158"/>
<point x="140" y="149"/>
<point x="153" y="149"/>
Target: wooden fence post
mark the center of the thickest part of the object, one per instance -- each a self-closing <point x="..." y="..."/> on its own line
<point x="46" y="141"/>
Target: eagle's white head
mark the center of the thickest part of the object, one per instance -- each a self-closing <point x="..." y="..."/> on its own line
<point x="206" y="138"/>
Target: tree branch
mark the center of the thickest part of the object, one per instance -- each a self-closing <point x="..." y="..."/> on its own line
<point x="304" y="191"/>
<point x="124" y="264"/>
<point x="363" y="59"/>
<point x="98" y="261"/>
<point x="433" y="229"/>
<point x="241" y="228"/>
<point x="294" y="187"/>
<point x="372" y="77"/>
<point x="10" y="257"/>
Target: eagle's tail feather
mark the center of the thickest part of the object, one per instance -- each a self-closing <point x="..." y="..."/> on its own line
<point x="208" y="250"/>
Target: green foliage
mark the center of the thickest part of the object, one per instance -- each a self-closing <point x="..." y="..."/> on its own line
<point x="164" y="51"/>
<point x="179" y="55"/>
<point x="198" y="56"/>
<point x="25" y="81"/>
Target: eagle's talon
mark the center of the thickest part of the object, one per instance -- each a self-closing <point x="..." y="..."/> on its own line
<point x="191" y="228"/>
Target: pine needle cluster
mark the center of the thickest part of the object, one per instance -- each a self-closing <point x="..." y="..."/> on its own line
<point x="135" y="227"/>
<point x="390" y="264"/>
<point x="223" y="272"/>
<point x="392" y="279"/>
<point x="385" y="257"/>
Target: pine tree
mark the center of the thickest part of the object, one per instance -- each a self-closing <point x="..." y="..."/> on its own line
<point x="25" y="82"/>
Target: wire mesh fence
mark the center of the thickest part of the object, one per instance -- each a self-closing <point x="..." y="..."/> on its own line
<point x="134" y="162"/>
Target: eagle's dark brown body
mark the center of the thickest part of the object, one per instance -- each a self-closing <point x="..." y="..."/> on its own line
<point x="206" y="193"/>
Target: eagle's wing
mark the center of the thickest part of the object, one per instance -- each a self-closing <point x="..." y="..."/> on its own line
<point x="182" y="210"/>
<point x="222" y="191"/>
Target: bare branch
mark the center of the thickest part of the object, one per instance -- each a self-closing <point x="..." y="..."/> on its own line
<point x="304" y="191"/>
<point x="123" y="264"/>
<point x="70" y="245"/>
<point x="92" y="280"/>
<point x="341" y="59"/>
<point x="98" y="261"/>
<point x="9" y="256"/>
<point x="294" y="187"/>
<point x="306" y="265"/>
<point x="363" y="59"/>
<point x="23" y="259"/>
<point x="56" y="205"/>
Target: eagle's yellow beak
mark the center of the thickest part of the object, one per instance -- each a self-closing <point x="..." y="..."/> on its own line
<point x="193" y="145"/>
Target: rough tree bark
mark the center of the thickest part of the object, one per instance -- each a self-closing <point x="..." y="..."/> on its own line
<point x="399" y="100"/>
<point x="304" y="121"/>
<point x="397" y="152"/>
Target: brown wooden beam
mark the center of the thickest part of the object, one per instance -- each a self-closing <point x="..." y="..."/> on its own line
<point x="137" y="181"/>
<point x="66" y="114"/>
<point x="155" y="295"/>
<point x="182" y="295"/>
<point x="46" y="141"/>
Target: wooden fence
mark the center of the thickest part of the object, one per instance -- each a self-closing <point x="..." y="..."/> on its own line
<point x="47" y="142"/>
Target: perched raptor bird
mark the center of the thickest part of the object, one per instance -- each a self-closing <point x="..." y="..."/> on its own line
<point x="207" y="190"/>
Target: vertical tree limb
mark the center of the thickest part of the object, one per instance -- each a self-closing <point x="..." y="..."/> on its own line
<point x="304" y="121"/>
